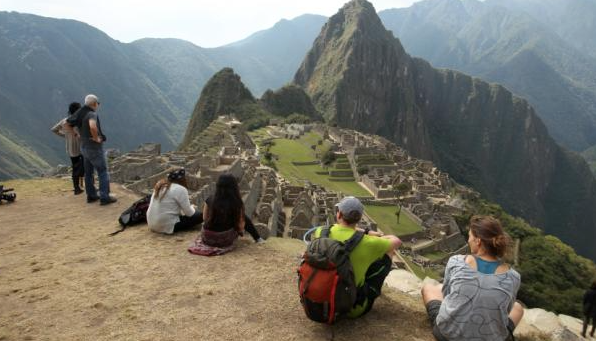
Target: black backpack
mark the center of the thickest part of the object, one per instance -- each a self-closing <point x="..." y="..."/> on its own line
<point x="135" y="214"/>
<point x="326" y="281"/>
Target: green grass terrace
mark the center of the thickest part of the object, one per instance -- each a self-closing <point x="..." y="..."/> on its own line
<point x="386" y="219"/>
<point x="286" y="151"/>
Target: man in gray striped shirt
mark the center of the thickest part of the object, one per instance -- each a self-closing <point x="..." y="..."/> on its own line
<point x="73" y="147"/>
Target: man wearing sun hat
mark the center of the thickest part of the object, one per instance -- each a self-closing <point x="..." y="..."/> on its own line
<point x="371" y="258"/>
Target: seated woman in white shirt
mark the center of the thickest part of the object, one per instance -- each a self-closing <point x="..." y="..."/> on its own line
<point x="170" y="209"/>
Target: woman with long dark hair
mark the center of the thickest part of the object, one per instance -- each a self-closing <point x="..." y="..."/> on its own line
<point x="477" y="298"/>
<point x="169" y="199"/>
<point x="225" y="210"/>
<point x="73" y="147"/>
<point x="224" y="218"/>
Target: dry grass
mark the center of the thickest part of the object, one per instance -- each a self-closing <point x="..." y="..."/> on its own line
<point x="63" y="278"/>
<point x="533" y="337"/>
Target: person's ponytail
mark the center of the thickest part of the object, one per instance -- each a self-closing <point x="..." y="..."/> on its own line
<point x="489" y="230"/>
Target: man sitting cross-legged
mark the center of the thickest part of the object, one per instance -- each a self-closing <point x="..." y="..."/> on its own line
<point x="371" y="258"/>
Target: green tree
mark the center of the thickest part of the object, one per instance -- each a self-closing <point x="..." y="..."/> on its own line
<point x="328" y="158"/>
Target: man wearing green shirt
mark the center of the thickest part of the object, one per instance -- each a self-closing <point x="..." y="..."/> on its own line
<point x="371" y="259"/>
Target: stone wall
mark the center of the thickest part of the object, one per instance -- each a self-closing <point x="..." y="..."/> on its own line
<point x="252" y="197"/>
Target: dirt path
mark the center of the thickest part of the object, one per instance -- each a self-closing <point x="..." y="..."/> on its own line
<point x="63" y="278"/>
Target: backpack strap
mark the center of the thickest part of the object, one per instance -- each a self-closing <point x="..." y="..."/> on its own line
<point x="325" y="232"/>
<point x="308" y="281"/>
<point x="117" y="231"/>
<point x="351" y="243"/>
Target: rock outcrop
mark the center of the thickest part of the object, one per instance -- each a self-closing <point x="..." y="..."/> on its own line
<point x="359" y="76"/>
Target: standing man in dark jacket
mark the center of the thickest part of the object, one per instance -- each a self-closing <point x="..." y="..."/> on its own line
<point x="92" y="139"/>
<point x="590" y="309"/>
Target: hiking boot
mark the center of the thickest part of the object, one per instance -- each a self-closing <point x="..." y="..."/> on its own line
<point x="78" y="191"/>
<point x="92" y="199"/>
<point x="110" y="200"/>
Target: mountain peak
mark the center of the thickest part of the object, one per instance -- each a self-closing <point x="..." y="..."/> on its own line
<point x="357" y="15"/>
<point x="354" y="38"/>
<point x="221" y="95"/>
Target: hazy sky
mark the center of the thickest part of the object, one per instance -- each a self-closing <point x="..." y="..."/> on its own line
<point x="207" y="23"/>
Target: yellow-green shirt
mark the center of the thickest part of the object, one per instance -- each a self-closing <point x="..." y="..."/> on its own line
<point x="369" y="250"/>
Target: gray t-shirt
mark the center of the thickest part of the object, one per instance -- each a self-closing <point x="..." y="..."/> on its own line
<point x="476" y="305"/>
<point x="86" y="137"/>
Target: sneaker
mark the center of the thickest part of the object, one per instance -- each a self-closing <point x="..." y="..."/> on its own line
<point x="110" y="200"/>
<point x="78" y="191"/>
<point x="260" y="241"/>
<point x="92" y="199"/>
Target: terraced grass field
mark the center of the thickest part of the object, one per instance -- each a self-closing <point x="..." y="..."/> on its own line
<point x="286" y="151"/>
<point x="387" y="221"/>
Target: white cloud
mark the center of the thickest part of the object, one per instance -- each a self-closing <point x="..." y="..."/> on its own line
<point x="207" y="23"/>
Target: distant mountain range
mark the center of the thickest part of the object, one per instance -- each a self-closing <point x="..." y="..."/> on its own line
<point x="532" y="47"/>
<point x="147" y="88"/>
<point x="544" y="51"/>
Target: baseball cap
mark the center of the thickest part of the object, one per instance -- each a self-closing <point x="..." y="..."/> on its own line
<point x="350" y="204"/>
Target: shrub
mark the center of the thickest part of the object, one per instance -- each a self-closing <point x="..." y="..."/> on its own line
<point x="328" y="157"/>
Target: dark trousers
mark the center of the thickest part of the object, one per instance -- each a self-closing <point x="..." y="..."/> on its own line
<point x="373" y="282"/>
<point x="188" y="223"/>
<point x="587" y="319"/>
<point x="78" y="171"/>
<point x="250" y="228"/>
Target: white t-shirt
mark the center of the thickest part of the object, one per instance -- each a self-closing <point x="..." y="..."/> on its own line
<point x="164" y="213"/>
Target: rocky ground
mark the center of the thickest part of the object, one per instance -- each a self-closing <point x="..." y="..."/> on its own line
<point x="63" y="278"/>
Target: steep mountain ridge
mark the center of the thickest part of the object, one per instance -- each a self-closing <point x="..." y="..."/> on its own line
<point x="489" y="39"/>
<point x="479" y="132"/>
<point x="573" y="20"/>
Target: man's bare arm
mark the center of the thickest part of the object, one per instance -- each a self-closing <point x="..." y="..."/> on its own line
<point x="93" y="130"/>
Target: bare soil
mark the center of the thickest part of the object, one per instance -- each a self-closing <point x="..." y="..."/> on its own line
<point x="63" y="278"/>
